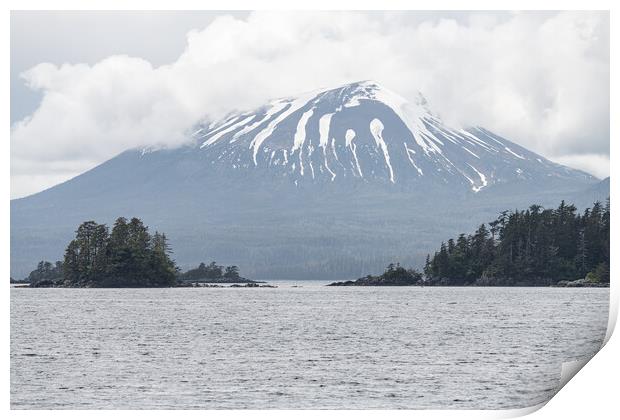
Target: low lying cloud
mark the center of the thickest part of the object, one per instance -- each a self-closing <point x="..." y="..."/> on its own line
<point x="597" y="165"/>
<point x="541" y="80"/>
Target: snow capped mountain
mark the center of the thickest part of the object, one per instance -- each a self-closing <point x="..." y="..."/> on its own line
<point x="363" y="131"/>
<point x="329" y="184"/>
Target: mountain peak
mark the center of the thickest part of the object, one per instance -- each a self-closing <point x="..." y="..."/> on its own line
<point x="373" y="90"/>
<point x="366" y="132"/>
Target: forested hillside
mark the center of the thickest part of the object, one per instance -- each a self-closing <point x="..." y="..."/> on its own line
<point x="536" y="246"/>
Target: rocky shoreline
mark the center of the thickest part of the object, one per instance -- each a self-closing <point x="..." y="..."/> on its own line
<point x="579" y="283"/>
<point x="242" y="282"/>
<point x="374" y="281"/>
<point x="250" y="284"/>
<point x="220" y="280"/>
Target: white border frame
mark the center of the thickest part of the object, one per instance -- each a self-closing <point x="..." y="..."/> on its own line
<point x="593" y="393"/>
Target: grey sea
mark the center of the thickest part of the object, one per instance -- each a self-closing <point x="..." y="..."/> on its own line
<point x="301" y="345"/>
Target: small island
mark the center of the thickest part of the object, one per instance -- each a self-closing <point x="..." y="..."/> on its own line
<point x="213" y="273"/>
<point x="127" y="257"/>
<point x="394" y="275"/>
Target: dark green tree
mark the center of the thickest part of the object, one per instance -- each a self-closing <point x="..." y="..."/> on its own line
<point x="232" y="272"/>
<point x="86" y="256"/>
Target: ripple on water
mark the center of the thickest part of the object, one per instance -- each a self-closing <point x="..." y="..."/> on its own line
<point x="310" y="347"/>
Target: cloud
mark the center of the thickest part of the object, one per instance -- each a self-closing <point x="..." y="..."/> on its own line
<point x="597" y="165"/>
<point x="540" y="79"/>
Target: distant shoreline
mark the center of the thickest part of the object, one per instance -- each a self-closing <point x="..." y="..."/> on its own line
<point x="253" y="284"/>
<point x="408" y="280"/>
<point x="473" y="286"/>
<point x="264" y="284"/>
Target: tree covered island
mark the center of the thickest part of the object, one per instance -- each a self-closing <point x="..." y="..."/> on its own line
<point x="394" y="275"/>
<point x="127" y="256"/>
<point x="213" y="273"/>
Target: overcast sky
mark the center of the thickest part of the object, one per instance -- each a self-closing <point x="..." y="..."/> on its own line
<point x="87" y="85"/>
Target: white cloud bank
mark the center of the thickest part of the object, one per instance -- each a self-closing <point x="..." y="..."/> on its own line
<point x="597" y="165"/>
<point x="541" y="80"/>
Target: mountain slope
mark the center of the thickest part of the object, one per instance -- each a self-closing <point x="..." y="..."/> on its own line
<point x="364" y="131"/>
<point x="331" y="184"/>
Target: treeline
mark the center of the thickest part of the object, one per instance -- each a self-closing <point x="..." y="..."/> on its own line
<point x="128" y="256"/>
<point x="533" y="247"/>
<point x="46" y="274"/>
<point x="211" y="272"/>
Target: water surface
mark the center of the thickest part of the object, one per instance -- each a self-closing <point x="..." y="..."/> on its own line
<point x="308" y="346"/>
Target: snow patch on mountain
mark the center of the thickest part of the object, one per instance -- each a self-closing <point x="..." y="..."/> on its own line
<point x="376" y="128"/>
<point x="213" y="139"/>
<point x="300" y="133"/>
<point x="324" y="125"/>
<point x="483" y="180"/>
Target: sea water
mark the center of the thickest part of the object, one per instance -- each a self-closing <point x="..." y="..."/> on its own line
<point x="301" y="345"/>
